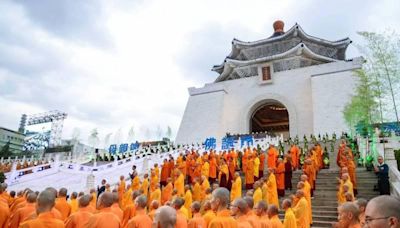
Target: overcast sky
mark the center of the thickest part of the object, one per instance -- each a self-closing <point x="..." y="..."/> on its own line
<point x="115" y="64"/>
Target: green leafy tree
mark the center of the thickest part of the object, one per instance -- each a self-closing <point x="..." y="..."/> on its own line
<point x="5" y="151"/>
<point x="382" y="52"/>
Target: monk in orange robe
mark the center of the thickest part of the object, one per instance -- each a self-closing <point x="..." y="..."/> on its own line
<point x="21" y="214"/>
<point x="145" y="185"/>
<point x="130" y="210"/>
<point x="166" y="193"/>
<point x="105" y="217"/>
<point x="205" y="185"/>
<point x="121" y="189"/>
<point x="179" y="183"/>
<point x="164" y="173"/>
<point x="141" y="219"/>
<point x="249" y="173"/>
<point x="45" y="218"/>
<point x="62" y="205"/>
<point x="197" y="190"/>
<point x="73" y="203"/>
<point x="82" y="216"/>
<point x="115" y="207"/>
<point x="153" y="180"/>
<point x="272" y="156"/>
<point x="262" y="165"/>
<point x="310" y="172"/>
<point x="223" y="218"/>
<point x="280" y="177"/>
<point x="294" y="153"/>
<point x="197" y="220"/>
<point x="213" y="169"/>
<point x="135" y="183"/>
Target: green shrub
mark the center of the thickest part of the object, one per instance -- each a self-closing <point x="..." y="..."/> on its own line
<point x="2" y="177"/>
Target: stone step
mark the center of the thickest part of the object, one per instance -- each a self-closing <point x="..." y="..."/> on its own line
<point x="325" y="208"/>
<point x="317" y="223"/>
<point x="328" y="202"/>
<point x="324" y="213"/>
<point x="324" y="218"/>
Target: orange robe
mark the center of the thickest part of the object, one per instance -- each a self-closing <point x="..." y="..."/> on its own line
<point x="262" y="164"/>
<point x="129" y="212"/>
<point x="44" y="220"/>
<point x="213" y="168"/>
<point x="104" y="219"/>
<point x="294" y="152"/>
<point x="79" y="218"/>
<point x="204" y="186"/>
<point x="166" y="194"/>
<point x="21" y="214"/>
<point x="145" y="187"/>
<point x="280" y="176"/>
<point x="4" y="214"/>
<point x="197" y="192"/>
<point x="208" y="216"/>
<point x="181" y="221"/>
<point x="310" y="172"/>
<point x="179" y="185"/>
<point x="272" y="193"/>
<point x="164" y="172"/>
<point x="63" y="207"/>
<point x="73" y="203"/>
<point x="272" y="157"/>
<point x="141" y="219"/>
<point x="121" y="190"/>
<point x="249" y="173"/>
<point x="197" y="221"/>
<point x="117" y="211"/>
<point x="135" y="184"/>
<point x="223" y="219"/>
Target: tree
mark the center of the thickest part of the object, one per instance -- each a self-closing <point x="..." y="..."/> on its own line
<point x="5" y="151"/>
<point x="383" y="67"/>
<point x="361" y="111"/>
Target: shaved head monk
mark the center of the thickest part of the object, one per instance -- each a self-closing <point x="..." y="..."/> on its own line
<point x="141" y="219"/>
<point x="273" y="216"/>
<point x="348" y="215"/>
<point x="238" y="211"/>
<point x="82" y="216"/>
<point x="197" y="220"/>
<point x="165" y="217"/>
<point x="383" y="211"/>
<point x="44" y="205"/>
<point x="105" y="217"/>
<point x="62" y="205"/>
<point x="23" y="213"/>
<point x="219" y="202"/>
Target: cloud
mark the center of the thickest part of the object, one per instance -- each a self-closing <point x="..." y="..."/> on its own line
<point x="114" y="64"/>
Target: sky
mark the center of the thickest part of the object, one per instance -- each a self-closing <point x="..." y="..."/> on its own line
<point x="114" y="65"/>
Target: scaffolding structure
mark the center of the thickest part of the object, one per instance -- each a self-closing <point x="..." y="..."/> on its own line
<point x="57" y="122"/>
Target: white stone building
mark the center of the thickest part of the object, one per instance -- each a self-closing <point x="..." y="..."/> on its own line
<point x="290" y="83"/>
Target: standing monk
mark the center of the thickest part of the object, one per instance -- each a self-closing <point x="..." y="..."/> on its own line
<point x="62" y="205"/>
<point x="294" y="153"/>
<point x="179" y="183"/>
<point x="288" y="172"/>
<point x="121" y="189"/>
<point x="166" y="193"/>
<point x="290" y="219"/>
<point x="272" y="156"/>
<point x="236" y="191"/>
<point x="272" y="191"/>
<point x="164" y="173"/>
<point x="261" y="166"/>
<point x="249" y="173"/>
<point x="219" y="203"/>
<point x="280" y="177"/>
<point x="213" y="169"/>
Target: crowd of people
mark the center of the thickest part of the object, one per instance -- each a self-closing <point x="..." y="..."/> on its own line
<point x="204" y="190"/>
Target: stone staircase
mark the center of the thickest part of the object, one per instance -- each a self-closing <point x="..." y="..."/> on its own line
<point x="324" y="204"/>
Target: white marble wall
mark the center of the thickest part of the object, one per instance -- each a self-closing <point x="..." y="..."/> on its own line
<point x="227" y="106"/>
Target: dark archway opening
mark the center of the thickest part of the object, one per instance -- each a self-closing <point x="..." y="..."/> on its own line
<point x="271" y="117"/>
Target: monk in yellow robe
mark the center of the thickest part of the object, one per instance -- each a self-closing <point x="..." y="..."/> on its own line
<point x="213" y="168"/>
<point x="256" y="166"/>
<point x="204" y="186"/>
<point x="166" y="193"/>
<point x="153" y="180"/>
<point x="257" y="195"/>
<point x="223" y="175"/>
<point x="156" y="194"/>
<point x="188" y="200"/>
<point x="73" y="203"/>
<point x="209" y="214"/>
<point x="294" y="153"/>
<point x="290" y="219"/>
<point x="127" y="198"/>
<point x="121" y="189"/>
<point x="264" y="189"/>
<point x="301" y="211"/>
<point x="135" y="184"/>
<point x="307" y="194"/>
<point x="205" y="169"/>
<point x="179" y="183"/>
<point x="272" y="191"/>
<point x="93" y="202"/>
<point x="197" y="190"/>
<point x="145" y="185"/>
<point x="249" y="173"/>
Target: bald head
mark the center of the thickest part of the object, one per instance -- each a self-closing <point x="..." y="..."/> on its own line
<point x="195" y="207"/>
<point x="286" y="204"/>
<point x="74" y="195"/>
<point x="384" y="206"/>
<point x="105" y="200"/>
<point x="135" y="194"/>
<point x="62" y="192"/>
<point x="348" y="214"/>
<point x="242" y="206"/>
<point x="45" y="201"/>
<point x="84" y="200"/>
<point x="178" y="203"/>
<point x="165" y="217"/>
<point x="249" y="201"/>
<point x="115" y="197"/>
<point x="52" y="190"/>
<point x="272" y="210"/>
<point x="207" y="205"/>
<point x="3" y="187"/>
<point x="222" y="196"/>
<point x="262" y="205"/>
<point x="362" y="204"/>
<point x="31" y="197"/>
<point x="141" y="201"/>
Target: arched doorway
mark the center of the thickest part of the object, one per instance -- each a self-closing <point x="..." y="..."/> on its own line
<point x="271" y="117"/>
